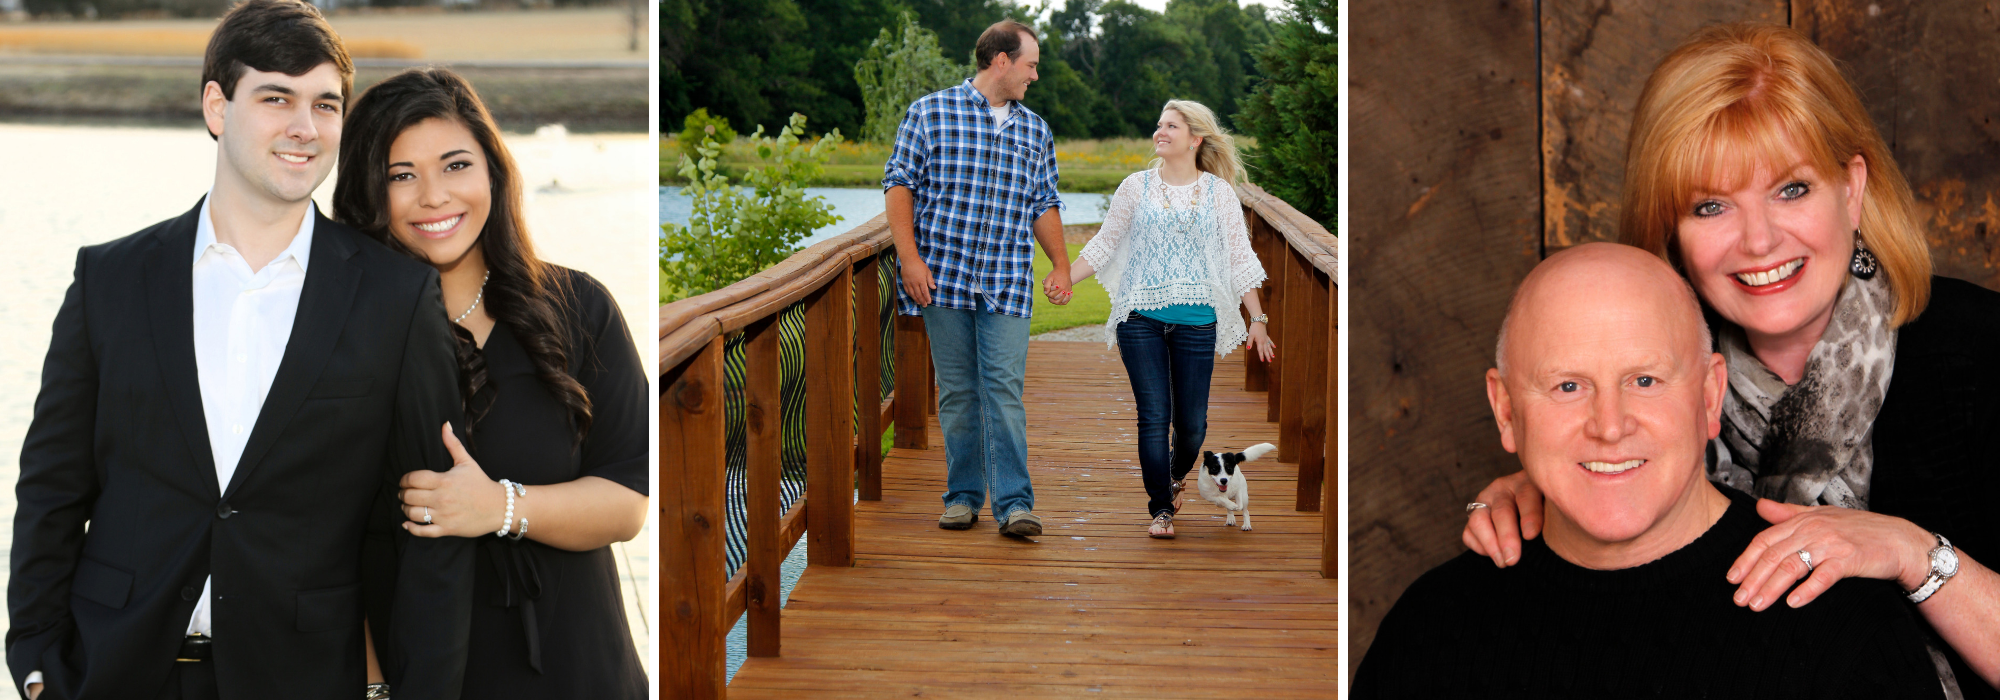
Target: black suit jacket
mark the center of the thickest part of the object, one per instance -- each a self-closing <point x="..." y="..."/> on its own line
<point x="119" y="444"/>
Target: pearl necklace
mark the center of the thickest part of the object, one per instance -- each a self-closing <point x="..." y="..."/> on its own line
<point x="475" y="300"/>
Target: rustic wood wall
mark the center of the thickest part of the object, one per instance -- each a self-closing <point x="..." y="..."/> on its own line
<point x="1487" y="134"/>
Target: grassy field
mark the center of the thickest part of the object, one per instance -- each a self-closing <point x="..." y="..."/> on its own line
<point x="1091" y="165"/>
<point x="1088" y="304"/>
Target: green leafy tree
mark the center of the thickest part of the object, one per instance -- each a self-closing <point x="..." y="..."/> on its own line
<point x="898" y="68"/>
<point x="735" y="232"/>
<point x="1293" y="112"/>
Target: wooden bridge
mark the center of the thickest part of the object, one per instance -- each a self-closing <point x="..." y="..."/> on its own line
<point x="892" y="606"/>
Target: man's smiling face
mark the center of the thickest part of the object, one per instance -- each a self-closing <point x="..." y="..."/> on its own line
<point x="278" y="134"/>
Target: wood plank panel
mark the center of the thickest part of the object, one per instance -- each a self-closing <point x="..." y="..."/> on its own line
<point x="1093" y="607"/>
<point x="1596" y="55"/>
<point x="1329" y="554"/>
<point x="1273" y="257"/>
<point x="1445" y="207"/>
<point x="691" y="594"/>
<point x="830" y="408"/>
<point x="1916" y="65"/>
<point x="1255" y="377"/>
<point x="1300" y="327"/>
<point x="763" y="497"/>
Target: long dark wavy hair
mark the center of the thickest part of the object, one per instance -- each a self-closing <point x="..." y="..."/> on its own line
<point x="523" y="291"/>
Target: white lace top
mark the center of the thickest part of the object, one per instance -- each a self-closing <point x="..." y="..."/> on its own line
<point x="1162" y="245"/>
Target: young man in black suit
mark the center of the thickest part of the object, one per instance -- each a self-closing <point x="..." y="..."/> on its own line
<point x="225" y="396"/>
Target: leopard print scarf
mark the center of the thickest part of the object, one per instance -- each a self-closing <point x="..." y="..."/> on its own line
<point x="1811" y="443"/>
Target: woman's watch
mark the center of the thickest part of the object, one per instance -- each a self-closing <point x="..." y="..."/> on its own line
<point x="1261" y="318"/>
<point x="1944" y="565"/>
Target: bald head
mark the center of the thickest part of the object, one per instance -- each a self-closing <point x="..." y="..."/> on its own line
<point x="1608" y="393"/>
<point x="1589" y="272"/>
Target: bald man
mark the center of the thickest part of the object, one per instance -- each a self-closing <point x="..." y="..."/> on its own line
<point x="1607" y="390"/>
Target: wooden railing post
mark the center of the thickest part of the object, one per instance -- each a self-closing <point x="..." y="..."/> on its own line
<point x="1329" y="550"/>
<point x="1294" y="351"/>
<point x="1312" y="383"/>
<point x="830" y="407"/>
<point x="1276" y="252"/>
<point x="692" y="660"/>
<point x="763" y="494"/>
<point x="1256" y="372"/>
<point x="868" y="376"/>
<point x="913" y="383"/>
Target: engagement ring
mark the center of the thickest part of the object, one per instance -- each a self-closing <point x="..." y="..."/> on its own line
<point x="1807" y="558"/>
<point x="1469" y="507"/>
<point x="427" y="518"/>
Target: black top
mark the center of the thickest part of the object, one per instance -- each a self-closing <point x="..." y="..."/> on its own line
<point x="1548" y="628"/>
<point x="1932" y="466"/>
<point x="549" y="623"/>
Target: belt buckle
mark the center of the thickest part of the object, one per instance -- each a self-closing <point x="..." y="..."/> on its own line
<point x="195" y="648"/>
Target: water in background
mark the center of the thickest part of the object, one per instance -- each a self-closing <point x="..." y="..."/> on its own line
<point x="857" y="205"/>
<point x="586" y="204"/>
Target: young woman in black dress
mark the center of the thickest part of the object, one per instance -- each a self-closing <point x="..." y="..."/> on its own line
<point x="554" y="466"/>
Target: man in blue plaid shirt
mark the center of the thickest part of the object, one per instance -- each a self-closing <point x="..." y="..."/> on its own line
<point x="973" y="174"/>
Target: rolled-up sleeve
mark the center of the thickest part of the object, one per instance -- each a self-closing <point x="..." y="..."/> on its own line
<point x="1046" y="195"/>
<point x="906" y="160"/>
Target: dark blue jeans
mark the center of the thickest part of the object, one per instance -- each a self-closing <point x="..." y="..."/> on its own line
<point x="1170" y="366"/>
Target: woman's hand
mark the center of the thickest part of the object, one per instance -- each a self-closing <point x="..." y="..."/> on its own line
<point x="462" y="502"/>
<point x="1497" y="530"/>
<point x="1843" y="542"/>
<point x="1260" y="343"/>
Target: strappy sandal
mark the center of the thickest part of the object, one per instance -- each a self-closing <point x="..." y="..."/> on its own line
<point x="1162" y="527"/>
<point x="1174" y="490"/>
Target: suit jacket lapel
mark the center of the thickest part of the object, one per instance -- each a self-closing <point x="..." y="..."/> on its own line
<point x="170" y="299"/>
<point x="323" y="305"/>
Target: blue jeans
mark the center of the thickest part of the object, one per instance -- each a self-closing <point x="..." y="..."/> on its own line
<point x="981" y="359"/>
<point x="1170" y="366"/>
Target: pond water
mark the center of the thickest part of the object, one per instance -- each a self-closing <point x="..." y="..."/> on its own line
<point x="586" y="204"/>
<point x="857" y="205"/>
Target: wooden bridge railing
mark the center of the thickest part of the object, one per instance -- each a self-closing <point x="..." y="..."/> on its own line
<point x="699" y="604"/>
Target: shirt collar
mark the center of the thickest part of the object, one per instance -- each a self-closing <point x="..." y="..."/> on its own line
<point x="972" y="94"/>
<point x="300" y="249"/>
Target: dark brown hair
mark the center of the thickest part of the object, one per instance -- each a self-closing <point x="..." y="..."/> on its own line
<point x="523" y="291"/>
<point x="274" y="36"/>
<point x="1003" y="37"/>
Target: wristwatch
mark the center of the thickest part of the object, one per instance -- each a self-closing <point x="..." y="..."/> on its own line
<point x="1261" y="318"/>
<point x="1944" y="565"/>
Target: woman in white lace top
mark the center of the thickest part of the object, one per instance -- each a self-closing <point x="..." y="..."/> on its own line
<point x="1176" y="259"/>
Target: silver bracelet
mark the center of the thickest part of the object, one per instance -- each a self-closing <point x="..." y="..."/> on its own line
<point x="507" y="522"/>
<point x="521" y="531"/>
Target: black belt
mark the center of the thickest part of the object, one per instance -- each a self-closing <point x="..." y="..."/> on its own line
<point x="194" y="649"/>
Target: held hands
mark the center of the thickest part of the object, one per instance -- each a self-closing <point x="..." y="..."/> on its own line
<point x="1843" y="542"/>
<point x="1057" y="287"/>
<point x="917" y="283"/>
<point x="462" y="502"/>
<point x="1260" y="343"/>
<point x="1513" y="513"/>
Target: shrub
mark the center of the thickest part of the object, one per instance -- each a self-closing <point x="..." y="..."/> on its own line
<point x="736" y="231"/>
<point x="896" y="70"/>
<point x="1293" y="112"/>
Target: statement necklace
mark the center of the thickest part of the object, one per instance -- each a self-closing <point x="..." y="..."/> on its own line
<point x="475" y="300"/>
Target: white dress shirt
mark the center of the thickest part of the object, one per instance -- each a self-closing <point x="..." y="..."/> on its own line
<point x="242" y="322"/>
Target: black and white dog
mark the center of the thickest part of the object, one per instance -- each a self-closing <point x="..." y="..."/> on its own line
<point x="1223" y="484"/>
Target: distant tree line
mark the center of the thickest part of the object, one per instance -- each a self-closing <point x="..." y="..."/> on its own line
<point x="115" y="9"/>
<point x="1106" y="68"/>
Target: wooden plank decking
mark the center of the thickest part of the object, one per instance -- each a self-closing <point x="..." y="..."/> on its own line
<point x="1093" y="607"/>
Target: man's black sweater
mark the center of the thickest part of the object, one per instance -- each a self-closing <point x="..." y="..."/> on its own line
<point x="1668" y="628"/>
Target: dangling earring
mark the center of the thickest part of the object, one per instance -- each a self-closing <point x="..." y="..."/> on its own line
<point x="1864" y="265"/>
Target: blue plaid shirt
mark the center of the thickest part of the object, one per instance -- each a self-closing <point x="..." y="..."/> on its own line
<point x="978" y="188"/>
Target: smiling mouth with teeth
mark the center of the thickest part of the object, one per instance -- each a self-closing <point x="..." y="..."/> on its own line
<point x="440" y="226"/>
<point x="1771" y="276"/>
<point x="1613" y="467"/>
<point x="289" y="158"/>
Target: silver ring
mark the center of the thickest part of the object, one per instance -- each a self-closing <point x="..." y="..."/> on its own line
<point x="1475" y="505"/>
<point x="1806" y="557"/>
<point x="427" y="521"/>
